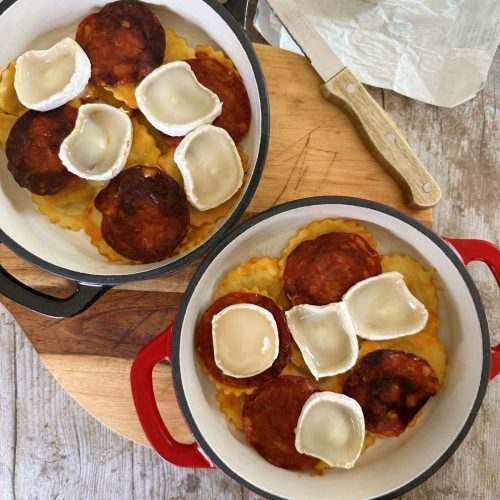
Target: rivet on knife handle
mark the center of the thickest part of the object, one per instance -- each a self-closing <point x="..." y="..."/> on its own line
<point x="383" y="138"/>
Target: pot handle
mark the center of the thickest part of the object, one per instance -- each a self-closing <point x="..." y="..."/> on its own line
<point x="83" y="297"/>
<point x="484" y="251"/>
<point x="238" y="9"/>
<point x="141" y="380"/>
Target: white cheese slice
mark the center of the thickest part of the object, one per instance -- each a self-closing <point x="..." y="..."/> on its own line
<point x="325" y="336"/>
<point x="245" y="340"/>
<point x="98" y="147"/>
<point x="174" y="101"/>
<point x="383" y="308"/>
<point x="47" y="79"/>
<point x="331" y="427"/>
<point x="210" y="166"/>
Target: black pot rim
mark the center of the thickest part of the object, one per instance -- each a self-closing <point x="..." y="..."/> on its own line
<point x="323" y="200"/>
<point x="111" y="280"/>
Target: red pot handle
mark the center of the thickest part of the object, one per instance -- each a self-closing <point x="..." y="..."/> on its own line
<point x="141" y="379"/>
<point x="488" y="253"/>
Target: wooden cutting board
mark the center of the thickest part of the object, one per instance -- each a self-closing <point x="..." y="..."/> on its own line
<point x="314" y="151"/>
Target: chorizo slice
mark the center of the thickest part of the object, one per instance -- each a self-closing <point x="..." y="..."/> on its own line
<point x="124" y="41"/>
<point x="204" y="343"/>
<point x="320" y="271"/>
<point x="270" y="416"/>
<point x="32" y="150"/>
<point x="172" y="141"/>
<point x="229" y="87"/>
<point x="391" y="388"/>
<point x="144" y="214"/>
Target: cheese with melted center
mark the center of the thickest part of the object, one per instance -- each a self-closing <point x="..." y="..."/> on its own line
<point x="325" y="336"/>
<point x="174" y="101"/>
<point x="98" y="147"/>
<point x="245" y="340"/>
<point x="47" y="79"/>
<point x="210" y="166"/>
<point x="383" y="308"/>
<point x="331" y="427"/>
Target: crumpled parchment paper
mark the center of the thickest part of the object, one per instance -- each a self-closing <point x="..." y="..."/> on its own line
<point x="436" y="51"/>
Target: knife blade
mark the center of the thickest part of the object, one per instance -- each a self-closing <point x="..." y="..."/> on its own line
<point x="380" y="134"/>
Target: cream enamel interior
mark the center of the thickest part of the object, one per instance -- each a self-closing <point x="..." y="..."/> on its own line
<point x="391" y="463"/>
<point x="27" y="26"/>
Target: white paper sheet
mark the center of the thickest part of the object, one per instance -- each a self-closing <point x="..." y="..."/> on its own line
<point x="436" y="51"/>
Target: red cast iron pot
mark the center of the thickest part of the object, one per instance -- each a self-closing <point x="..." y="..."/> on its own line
<point x="392" y="466"/>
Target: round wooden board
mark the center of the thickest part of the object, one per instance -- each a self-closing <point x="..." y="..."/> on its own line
<point x="314" y="151"/>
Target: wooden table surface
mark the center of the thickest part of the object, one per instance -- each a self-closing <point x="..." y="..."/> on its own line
<point x="50" y="448"/>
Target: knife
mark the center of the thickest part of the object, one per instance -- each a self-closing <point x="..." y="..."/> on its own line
<point x="380" y="134"/>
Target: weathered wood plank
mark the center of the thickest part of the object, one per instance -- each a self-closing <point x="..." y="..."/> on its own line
<point x="56" y="442"/>
<point x="8" y="405"/>
<point x="154" y="479"/>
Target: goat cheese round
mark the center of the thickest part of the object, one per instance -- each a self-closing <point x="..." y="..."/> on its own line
<point x="331" y="427"/>
<point x="245" y="340"/>
<point x="47" y="79"/>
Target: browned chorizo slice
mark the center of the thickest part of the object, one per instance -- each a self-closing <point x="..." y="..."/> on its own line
<point x="320" y="271"/>
<point x="124" y="42"/>
<point x="144" y="214"/>
<point x="391" y="387"/>
<point x="236" y="112"/>
<point x="204" y="343"/>
<point x="172" y="141"/>
<point x="32" y="150"/>
<point x="270" y="416"/>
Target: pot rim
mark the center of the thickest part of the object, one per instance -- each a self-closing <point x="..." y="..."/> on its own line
<point x="326" y="200"/>
<point x="219" y="234"/>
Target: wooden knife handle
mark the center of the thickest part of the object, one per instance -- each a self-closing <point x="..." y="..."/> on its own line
<point x="383" y="139"/>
